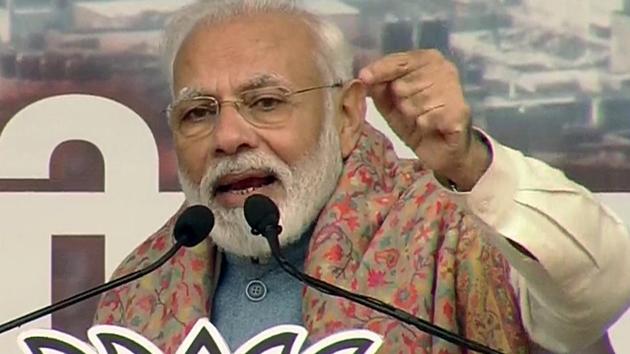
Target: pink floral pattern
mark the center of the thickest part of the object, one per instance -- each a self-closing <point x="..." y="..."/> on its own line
<point x="388" y="231"/>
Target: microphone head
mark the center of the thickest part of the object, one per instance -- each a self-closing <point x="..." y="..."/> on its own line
<point x="193" y="225"/>
<point x="260" y="213"/>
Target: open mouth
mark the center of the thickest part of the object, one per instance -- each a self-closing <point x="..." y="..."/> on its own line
<point x="243" y="184"/>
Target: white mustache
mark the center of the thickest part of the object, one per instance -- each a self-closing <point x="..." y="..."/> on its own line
<point x="243" y="162"/>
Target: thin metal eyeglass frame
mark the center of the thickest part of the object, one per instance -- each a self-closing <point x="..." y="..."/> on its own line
<point x="237" y="102"/>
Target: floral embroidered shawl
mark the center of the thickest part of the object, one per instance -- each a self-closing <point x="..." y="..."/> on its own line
<point x="388" y="231"/>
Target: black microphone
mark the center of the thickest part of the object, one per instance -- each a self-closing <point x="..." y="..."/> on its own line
<point x="263" y="215"/>
<point x="192" y="226"/>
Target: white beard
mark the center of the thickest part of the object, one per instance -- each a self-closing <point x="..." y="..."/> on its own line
<point x="308" y="186"/>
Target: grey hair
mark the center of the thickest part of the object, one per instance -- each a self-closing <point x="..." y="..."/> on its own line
<point x="333" y="55"/>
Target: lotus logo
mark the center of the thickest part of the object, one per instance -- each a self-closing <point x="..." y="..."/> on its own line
<point x="203" y="338"/>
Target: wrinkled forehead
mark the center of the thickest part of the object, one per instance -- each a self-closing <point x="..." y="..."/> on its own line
<point x="256" y="50"/>
<point x="255" y="82"/>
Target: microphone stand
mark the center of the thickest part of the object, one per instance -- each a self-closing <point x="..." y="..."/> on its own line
<point x="90" y="292"/>
<point x="271" y="233"/>
<point x="191" y="227"/>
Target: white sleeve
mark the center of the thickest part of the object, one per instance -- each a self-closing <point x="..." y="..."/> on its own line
<point x="579" y="281"/>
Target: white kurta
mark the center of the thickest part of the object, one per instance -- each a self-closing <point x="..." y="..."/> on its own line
<point x="580" y="282"/>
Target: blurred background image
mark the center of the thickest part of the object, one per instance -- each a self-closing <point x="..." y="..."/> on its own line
<point x="551" y="78"/>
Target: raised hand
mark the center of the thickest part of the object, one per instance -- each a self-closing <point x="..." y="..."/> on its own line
<point x="419" y="94"/>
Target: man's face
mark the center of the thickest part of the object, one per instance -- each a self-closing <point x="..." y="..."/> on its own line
<point x="295" y="161"/>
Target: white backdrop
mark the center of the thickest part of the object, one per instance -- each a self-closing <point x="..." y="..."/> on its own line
<point x="130" y="208"/>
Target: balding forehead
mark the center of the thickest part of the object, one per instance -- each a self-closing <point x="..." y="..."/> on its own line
<point x="274" y="45"/>
<point x="296" y="28"/>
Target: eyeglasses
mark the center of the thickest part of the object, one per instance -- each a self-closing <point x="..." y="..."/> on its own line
<point x="266" y="107"/>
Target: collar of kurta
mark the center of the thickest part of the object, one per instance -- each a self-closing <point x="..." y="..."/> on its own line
<point x="388" y="231"/>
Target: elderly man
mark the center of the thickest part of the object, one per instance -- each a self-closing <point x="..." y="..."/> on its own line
<point x="472" y="235"/>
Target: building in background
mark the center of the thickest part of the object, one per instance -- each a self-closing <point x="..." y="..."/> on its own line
<point x="4" y="24"/>
<point x="342" y="14"/>
<point x="124" y="15"/>
<point x="620" y="40"/>
<point x="104" y="48"/>
<point x="549" y="77"/>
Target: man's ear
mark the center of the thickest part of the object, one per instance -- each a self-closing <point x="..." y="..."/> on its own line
<point x="351" y="115"/>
